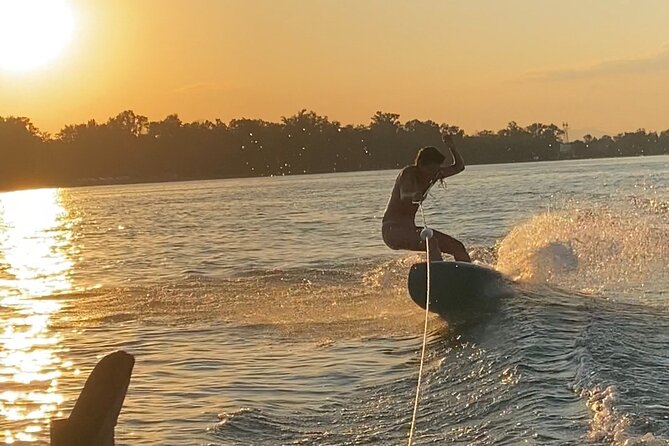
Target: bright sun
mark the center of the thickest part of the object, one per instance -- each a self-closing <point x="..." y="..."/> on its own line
<point x="33" y="32"/>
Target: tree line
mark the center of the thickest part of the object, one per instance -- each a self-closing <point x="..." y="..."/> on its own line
<point x="130" y="148"/>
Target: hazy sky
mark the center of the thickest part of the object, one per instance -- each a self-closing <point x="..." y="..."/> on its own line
<point x="601" y="65"/>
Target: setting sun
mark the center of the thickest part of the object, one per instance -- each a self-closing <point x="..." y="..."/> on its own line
<point x="33" y="32"/>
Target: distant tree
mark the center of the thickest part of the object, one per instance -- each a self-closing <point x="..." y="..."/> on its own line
<point x="15" y="131"/>
<point x="71" y="134"/>
<point x="427" y="132"/>
<point x="383" y="141"/>
<point x="604" y="147"/>
<point x="663" y="142"/>
<point x="129" y="122"/>
<point x="251" y="146"/>
<point x="635" y="143"/>
<point x="20" y="148"/>
<point x="547" y="139"/>
<point x="129" y="147"/>
<point x="415" y="134"/>
<point x="168" y="128"/>
<point x="310" y="143"/>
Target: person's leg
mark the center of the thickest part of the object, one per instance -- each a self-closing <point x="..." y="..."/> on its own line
<point x="409" y="238"/>
<point x="435" y="250"/>
<point x="451" y="246"/>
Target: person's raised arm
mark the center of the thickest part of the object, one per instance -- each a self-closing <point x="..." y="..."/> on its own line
<point x="458" y="163"/>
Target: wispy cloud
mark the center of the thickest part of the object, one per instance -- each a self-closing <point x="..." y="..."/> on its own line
<point x="202" y="87"/>
<point x="655" y="63"/>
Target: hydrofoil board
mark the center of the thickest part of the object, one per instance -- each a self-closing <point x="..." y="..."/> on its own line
<point x="457" y="287"/>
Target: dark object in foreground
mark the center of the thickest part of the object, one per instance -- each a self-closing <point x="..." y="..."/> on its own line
<point x="94" y="415"/>
<point x="457" y="289"/>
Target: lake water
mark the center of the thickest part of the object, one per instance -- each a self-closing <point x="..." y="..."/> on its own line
<point x="268" y="311"/>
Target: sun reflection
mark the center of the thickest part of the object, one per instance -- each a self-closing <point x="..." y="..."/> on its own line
<point x="34" y="266"/>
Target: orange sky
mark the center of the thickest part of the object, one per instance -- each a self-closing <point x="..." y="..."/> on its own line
<point x="601" y="65"/>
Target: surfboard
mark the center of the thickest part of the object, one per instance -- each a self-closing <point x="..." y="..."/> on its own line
<point x="457" y="288"/>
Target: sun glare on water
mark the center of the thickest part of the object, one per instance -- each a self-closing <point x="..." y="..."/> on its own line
<point x="34" y="266"/>
<point x="33" y="32"/>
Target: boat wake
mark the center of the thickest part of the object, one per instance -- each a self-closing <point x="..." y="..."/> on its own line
<point x="611" y="251"/>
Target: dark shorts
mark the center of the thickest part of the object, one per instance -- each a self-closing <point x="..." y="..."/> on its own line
<point x="407" y="236"/>
<point x="402" y="236"/>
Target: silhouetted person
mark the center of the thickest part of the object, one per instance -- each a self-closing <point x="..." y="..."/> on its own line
<point x="399" y="228"/>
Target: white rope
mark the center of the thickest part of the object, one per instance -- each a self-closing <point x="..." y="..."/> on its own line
<point x="428" y="234"/>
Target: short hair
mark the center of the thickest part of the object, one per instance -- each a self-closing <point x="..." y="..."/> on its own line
<point x="429" y="155"/>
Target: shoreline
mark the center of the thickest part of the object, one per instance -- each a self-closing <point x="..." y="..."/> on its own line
<point x="126" y="181"/>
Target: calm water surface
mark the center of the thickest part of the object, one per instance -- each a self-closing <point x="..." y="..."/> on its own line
<point x="267" y="311"/>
